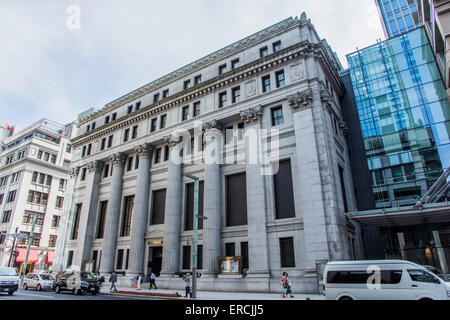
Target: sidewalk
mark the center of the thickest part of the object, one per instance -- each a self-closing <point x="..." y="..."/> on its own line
<point x="203" y="295"/>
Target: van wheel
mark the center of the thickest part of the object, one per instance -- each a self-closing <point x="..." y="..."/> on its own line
<point x="345" y="299"/>
<point x="38" y="288"/>
<point x="25" y="287"/>
<point x="425" y="299"/>
<point x="57" y="289"/>
<point x="11" y="292"/>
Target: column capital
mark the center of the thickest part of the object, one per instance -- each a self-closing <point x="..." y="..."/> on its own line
<point x="143" y="150"/>
<point x="94" y="165"/>
<point x="251" y="115"/>
<point x="117" y="158"/>
<point x="213" y="124"/>
<point x="300" y="100"/>
<point x="172" y="140"/>
<point x="73" y="172"/>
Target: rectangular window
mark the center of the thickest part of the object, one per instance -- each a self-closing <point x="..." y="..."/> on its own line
<point x="101" y="219"/>
<point x="155" y="97"/>
<point x="244" y="254"/>
<point x="130" y="109"/>
<point x="68" y="148"/>
<point x="110" y="141"/>
<point x="222" y="68"/>
<point x="158" y="155"/>
<point x="186" y="258"/>
<point x="119" y="259"/>
<point x="222" y="99"/>
<point x="153" y="124"/>
<point x="137" y="106"/>
<point x="88" y="127"/>
<point x="186" y="84"/>
<point x="103" y="144"/>
<point x="134" y="132"/>
<point x="48" y="181"/>
<point x="127" y="214"/>
<point x="166" y="153"/>
<point x="197" y="80"/>
<point x="83" y="151"/>
<point x="106" y="171"/>
<point x="129" y="164"/>
<point x="55" y="221"/>
<point x="165" y="93"/>
<point x="69" y="259"/>
<point x="236" y="200"/>
<point x="185" y="113"/>
<point x="158" y="206"/>
<point x="62" y="184"/>
<point x="230" y="250"/>
<point x="93" y="126"/>
<point x="199" y="257"/>
<point x="106" y="119"/>
<point x="189" y="206"/>
<point x="76" y="221"/>
<point x="263" y="52"/>
<point x="236" y="94"/>
<point x="287" y="256"/>
<point x="1" y="197"/>
<point x="52" y="240"/>
<point x="11" y="196"/>
<point x="234" y="64"/>
<point x="59" y="202"/>
<point x="196" y="109"/>
<point x="280" y="78"/>
<point x="162" y="123"/>
<point x="277" y="116"/>
<point x="39" y="155"/>
<point x="276" y="46"/>
<point x="284" y="194"/>
<point x="89" y="148"/>
<point x="114" y="116"/>
<point x="6" y="216"/>
<point x="136" y="163"/>
<point x="126" y="135"/>
<point x="127" y="258"/>
<point x="265" y="83"/>
<point x="83" y="174"/>
<point x="344" y="195"/>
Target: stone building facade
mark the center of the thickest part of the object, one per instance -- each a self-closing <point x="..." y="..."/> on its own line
<point x="130" y="207"/>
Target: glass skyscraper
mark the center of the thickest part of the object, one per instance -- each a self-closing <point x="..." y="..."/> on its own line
<point x="398" y="16"/>
<point x="403" y="115"/>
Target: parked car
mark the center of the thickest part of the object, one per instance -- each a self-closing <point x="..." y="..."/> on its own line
<point x="39" y="281"/>
<point x="394" y="280"/>
<point x="78" y="282"/>
<point x="9" y="280"/>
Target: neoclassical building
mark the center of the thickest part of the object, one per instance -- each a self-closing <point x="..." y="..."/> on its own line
<point x="131" y="205"/>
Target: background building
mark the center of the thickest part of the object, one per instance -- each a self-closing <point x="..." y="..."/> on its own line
<point x="397" y="16"/>
<point x="34" y="167"/>
<point x="6" y="130"/>
<point x="132" y="208"/>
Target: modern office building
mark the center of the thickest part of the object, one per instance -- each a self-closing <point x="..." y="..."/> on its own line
<point x="131" y="208"/>
<point x="34" y="164"/>
<point x="435" y="16"/>
<point x="398" y="133"/>
<point x="397" y="16"/>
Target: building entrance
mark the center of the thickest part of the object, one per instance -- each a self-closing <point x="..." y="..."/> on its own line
<point x="155" y="261"/>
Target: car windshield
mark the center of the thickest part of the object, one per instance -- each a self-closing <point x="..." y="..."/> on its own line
<point x="8" y="272"/>
<point x="87" y="276"/>
<point x="46" y="277"/>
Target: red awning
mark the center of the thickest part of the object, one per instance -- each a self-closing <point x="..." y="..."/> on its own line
<point x="32" y="255"/>
<point x="50" y="255"/>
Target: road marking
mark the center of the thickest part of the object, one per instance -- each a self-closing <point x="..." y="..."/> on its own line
<point x="36" y="295"/>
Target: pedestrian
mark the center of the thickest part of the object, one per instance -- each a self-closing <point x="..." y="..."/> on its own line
<point x="283" y="288"/>
<point x="101" y="279"/>
<point x="187" y="281"/>
<point x="138" y="282"/>
<point x="288" y="286"/>
<point x="153" y="281"/>
<point x="113" y="280"/>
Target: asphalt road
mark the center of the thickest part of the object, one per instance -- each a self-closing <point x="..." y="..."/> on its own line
<point x="31" y="294"/>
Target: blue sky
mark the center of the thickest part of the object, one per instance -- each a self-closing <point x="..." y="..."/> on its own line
<point x="48" y="70"/>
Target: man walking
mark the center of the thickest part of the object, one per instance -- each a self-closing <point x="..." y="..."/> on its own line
<point x="153" y="281"/>
<point x="113" y="280"/>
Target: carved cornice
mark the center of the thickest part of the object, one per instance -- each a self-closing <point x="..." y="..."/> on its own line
<point x="300" y="100"/>
<point x="94" y="165"/>
<point x="144" y="150"/>
<point x="252" y="115"/>
<point x="118" y="158"/>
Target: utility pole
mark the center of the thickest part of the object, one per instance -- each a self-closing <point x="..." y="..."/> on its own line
<point x="30" y="239"/>
<point x="13" y="248"/>
<point x="195" y="237"/>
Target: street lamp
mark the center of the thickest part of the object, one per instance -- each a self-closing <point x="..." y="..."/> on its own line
<point x="195" y="240"/>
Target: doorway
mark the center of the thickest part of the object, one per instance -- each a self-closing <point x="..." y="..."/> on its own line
<point x="155" y="263"/>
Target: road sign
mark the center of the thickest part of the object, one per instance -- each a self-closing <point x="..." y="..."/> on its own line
<point x="20" y="236"/>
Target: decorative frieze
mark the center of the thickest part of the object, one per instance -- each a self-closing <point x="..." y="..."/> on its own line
<point x="252" y="115"/>
<point x="250" y="88"/>
<point x="298" y="71"/>
<point x="300" y="100"/>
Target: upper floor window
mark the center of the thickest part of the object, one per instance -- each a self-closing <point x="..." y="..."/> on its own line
<point x="235" y="94"/>
<point x="280" y="78"/>
<point x="185" y="113"/>
<point x="234" y="64"/>
<point x="68" y="148"/>
<point x="83" y="151"/>
<point x="138" y="106"/>
<point x="93" y="125"/>
<point x="83" y="174"/>
<point x="263" y="52"/>
<point x="196" y="109"/>
<point x="134" y="132"/>
<point x="9" y="159"/>
<point x="155" y="97"/>
<point x="222" y="99"/>
<point x="153" y="124"/>
<point x="130" y="109"/>
<point x="88" y="127"/>
<point x="276" y="46"/>
<point x="158" y="155"/>
<point x="266" y="83"/>
<point x="89" y="148"/>
<point x="110" y="140"/>
<point x="126" y="135"/>
<point x="163" y="121"/>
<point x="114" y="116"/>
<point x="277" y="116"/>
<point x="21" y="154"/>
<point x="103" y="144"/>
<point x="165" y="93"/>
<point x="187" y="83"/>
<point x="53" y="159"/>
<point x="222" y="68"/>
<point x="62" y="184"/>
<point x="198" y="79"/>
<point x="106" y="119"/>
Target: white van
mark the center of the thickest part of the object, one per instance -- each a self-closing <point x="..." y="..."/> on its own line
<point x="382" y="280"/>
<point x="9" y="280"/>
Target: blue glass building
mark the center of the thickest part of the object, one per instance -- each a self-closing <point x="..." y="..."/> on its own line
<point x="398" y="16"/>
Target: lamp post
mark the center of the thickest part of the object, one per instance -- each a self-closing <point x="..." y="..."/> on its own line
<point x="195" y="238"/>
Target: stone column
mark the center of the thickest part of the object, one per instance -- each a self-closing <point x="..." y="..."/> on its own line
<point x="113" y="214"/>
<point x="66" y="217"/>
<point x="310" y="191"/>
<point x="140" y="214"/>
<point x="172" y="219"/>
<point x="258" y="249"/>
<point x="211" y="200"/>
<point x="86" y="227"/>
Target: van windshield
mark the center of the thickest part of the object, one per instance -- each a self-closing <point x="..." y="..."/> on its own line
<point x="5" y="272"/>
<point x="87" y="276"/>
<point x="46" y="277"/>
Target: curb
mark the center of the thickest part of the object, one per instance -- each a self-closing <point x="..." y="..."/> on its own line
<point x="144" y="296"/>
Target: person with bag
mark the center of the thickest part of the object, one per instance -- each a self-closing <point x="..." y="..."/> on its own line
<point x="113" y="280"/>
<point x="283" y="285"/>
<point x="187" y="281"/>
<point x="288" y="286"/>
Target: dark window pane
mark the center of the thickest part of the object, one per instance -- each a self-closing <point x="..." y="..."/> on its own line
<point x="287" y="252"/>
<point x="236" y="200"/>
<point x="284" y="194"/>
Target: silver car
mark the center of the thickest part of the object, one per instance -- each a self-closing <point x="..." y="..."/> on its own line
<point x="39" y="281"/>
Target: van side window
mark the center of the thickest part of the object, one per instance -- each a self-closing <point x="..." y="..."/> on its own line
<point x="361" y="277"/>
<point x="422" y="276"/>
